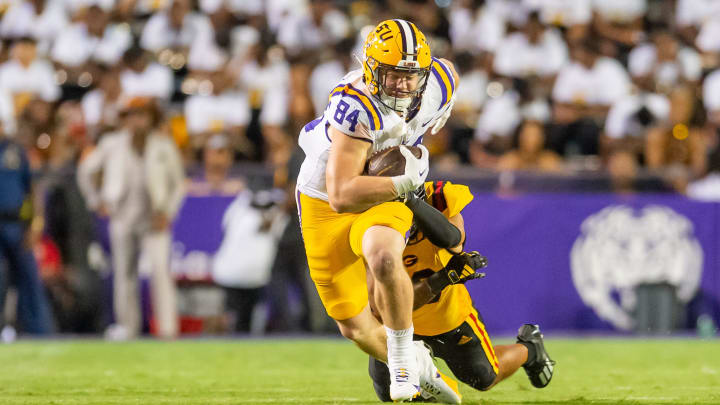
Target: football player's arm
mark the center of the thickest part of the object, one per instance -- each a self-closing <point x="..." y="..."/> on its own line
<point x="440" y="231"/>
<point x="348" y="190"/>
<point x="423" y="292"/>
<point x="459" y="223"/>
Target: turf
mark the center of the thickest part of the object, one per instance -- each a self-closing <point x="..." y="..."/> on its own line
<point x="329" y="371"/>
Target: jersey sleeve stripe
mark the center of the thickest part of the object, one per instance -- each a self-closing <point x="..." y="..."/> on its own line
<point x="443" y="88"/>
<point x="447" y="86"/>
<point x="376" y="123"/>
<point x="449" y="75"/>
<point x="336" y="90"/>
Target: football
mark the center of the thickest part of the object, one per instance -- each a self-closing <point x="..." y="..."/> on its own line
<point x="389" y="162"/>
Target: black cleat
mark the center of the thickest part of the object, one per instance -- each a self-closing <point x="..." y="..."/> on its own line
<point x="540" y="369"/>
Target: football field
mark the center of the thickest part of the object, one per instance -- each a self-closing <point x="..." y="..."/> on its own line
<point x="333" y="371"/>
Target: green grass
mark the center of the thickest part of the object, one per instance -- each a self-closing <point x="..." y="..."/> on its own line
<point x="592" y="371"/>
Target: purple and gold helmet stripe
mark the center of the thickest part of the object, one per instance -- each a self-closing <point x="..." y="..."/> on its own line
<point x="408" y="40"/>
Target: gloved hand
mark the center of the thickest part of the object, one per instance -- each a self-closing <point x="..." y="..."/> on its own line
<point x="443" y="119"/>
<point x="416" y="170"/>
<point x="460" y="269"/>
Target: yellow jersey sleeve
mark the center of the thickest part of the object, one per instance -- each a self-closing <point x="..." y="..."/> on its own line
<point x="447" y="197"/>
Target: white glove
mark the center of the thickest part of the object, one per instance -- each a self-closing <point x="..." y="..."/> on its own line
<point x="443" y="119"/>
<point x="416" y="170"/>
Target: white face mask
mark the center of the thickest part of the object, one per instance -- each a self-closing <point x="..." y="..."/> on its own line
<point x="400" y="104"/>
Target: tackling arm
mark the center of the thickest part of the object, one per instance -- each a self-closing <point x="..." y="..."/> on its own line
<point x="435" y="226"/>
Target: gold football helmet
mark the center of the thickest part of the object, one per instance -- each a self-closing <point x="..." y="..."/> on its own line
<point x="396" y="64"/>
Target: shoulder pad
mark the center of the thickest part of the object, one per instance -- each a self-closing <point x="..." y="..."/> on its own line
<point x="349" y="106"/>
<point x="444" y="80"/>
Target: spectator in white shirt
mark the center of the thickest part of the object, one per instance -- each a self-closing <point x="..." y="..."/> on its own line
<point x="707" y="188"/>
<point x="574" y="15"/>
<point x="101" y="105"/>
<point x="128" y="8"/>
<point x="267" y="80"/>
<point x="620" y="20"/>
<point x="25" y="77"/>
<point x="534" y="51"/>
<point x="707" y="38"/>
<point x="34" y="18"/>
<point x="582" y="95"/>
<point x="663" y="63"/>
<point x="711" y="98"/>
<point x="563" y="13"/>
<point x="142" y="78"/>
<point x="91" y="41"/>
<point x="335" y="64"/>
<point x="73" y="6"/>
<point x="630" y="119"/>
<point x="252" y="226"/>
<point x="323" y="25"/>
<point x="691" y="15"/>
<point x="225" y="110"/>
<point x="476" y="30"/>
<point x="177" y="29"/>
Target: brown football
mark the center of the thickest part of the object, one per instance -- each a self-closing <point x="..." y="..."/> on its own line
<point x="389" y="162"/>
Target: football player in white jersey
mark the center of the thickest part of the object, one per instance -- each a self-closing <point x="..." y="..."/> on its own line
<point x="353" y="223"/>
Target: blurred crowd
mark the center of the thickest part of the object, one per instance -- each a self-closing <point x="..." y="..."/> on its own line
<point x="622" y="87"/>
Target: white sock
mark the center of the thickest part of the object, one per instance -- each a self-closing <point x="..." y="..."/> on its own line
<point x="400" y="345"/>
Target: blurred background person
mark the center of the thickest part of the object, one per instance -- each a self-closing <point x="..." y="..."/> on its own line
<point x="583" y="93"/>
<point x="215" y="177"/>
<point x="91" y="41"/>
<point x="20" y="227"/>
<point x="531" y="153"/>
<point x="40" y="19"/>
<point x="242" y="266"/>
<point x="141" y="190"/>
<point x="25" y="77"/>
<point x="142" y="77"/>
<point x="678" y="143"/>
<point x="225" y="110"/>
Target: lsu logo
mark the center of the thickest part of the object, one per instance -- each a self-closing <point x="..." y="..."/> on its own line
<point x="619" y="249"/>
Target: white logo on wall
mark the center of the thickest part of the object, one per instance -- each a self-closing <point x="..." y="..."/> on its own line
<point x="618" y="250"/>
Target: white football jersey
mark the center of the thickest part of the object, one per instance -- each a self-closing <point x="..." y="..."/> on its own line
<point x="353" y="111"/>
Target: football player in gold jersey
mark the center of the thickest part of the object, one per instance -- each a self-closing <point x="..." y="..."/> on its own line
<point x="443" y="313"/>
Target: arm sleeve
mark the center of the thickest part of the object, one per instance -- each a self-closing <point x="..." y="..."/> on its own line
<point x="433" y="224"/>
